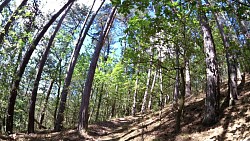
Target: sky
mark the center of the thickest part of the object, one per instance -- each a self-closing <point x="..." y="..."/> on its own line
<point x="51" y="5"/>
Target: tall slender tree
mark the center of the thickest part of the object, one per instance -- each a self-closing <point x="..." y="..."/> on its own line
<point x="73" y="61"/>
<point x="19" y="73"/>
<point x="83" y="114"/>
<point x="39" y="73"/>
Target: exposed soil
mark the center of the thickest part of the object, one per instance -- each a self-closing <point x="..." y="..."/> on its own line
<point x="234" y="124"/>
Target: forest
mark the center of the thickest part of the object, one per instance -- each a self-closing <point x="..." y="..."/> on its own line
<point x="125" y="70"/>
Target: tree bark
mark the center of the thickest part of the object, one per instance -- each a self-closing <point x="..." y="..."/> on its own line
<point x="39" y="74"/>
<point x="144" y="101"/>
<point x="151" y="92"/>
<point x="180" y="102"/>
<point x="3" y="4"/>
<point x="99" y="103"/>
<point x="21" y="68"/>
<point x="133" y="110"/>
<point x="59" y="89"/>
<point x="73" y="61"/>
<point x="45" y="104"/>
<point x="211" y="114"/>
<point x="187" y="77"/>
<point x="231" y="63"/>
<point x="83" y="114"/>
<point x="11" y="20"/>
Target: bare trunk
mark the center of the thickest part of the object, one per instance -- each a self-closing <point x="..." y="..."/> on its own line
<point x="39" y="74"/>
<point x="45" y="104"/>
<point x="144" y="101"/>
<point x="21" y="68"/>
<point x="11" y="20"/>
<point x="151" y="92"/>
<point x="231" y="64"/>
<point x="59" y="88"/>
<point x="83" y="114"/>
<point x="133" y="111"/>
<point x="211" y="114"/>
<point x="187" y="77"/>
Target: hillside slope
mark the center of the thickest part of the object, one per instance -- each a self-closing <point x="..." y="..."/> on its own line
<point x="234" y="124"/>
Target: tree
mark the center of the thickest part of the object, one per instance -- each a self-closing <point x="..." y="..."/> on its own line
<point x="21" y="68"/>
<point x="73" y="60"/>
<point x="84" y="115"/>
<point x="211" y="114"/>
<point x="39" y="73"/>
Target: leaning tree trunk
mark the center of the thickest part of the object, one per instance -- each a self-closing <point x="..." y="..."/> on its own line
<point x="45" y="104"/>
<point x="73" y="61"/>
<point x="39" y="74"/>
<point x="83" y="114"/>
<point x="231" y="65"/>
<point x="211" y="114"/>
<point x="21" y="68"/>
<point x="5" y="3"/>
<point x="11" y="20"/>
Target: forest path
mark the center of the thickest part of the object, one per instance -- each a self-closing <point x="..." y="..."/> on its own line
<point x="234" y="124"/>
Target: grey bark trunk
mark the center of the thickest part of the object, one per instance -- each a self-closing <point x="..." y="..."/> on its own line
<point x="144" y="101"/>
<point x="211" y="114"/>
<point x="188" y="80"/>
<point x="133" y="110"/>
<point x="21" y="68"/>
<point x="231" y="64"/>
<point x="151" y="92"/>
<point x="83" y="114"/>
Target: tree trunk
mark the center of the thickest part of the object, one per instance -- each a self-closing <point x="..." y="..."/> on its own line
<point x="83" y="114"/>
<point x="144" y="101"/>
<point x="99" y="103"/>
<point x="21" y="68"/>
<point x="59" y="89"/>
<point x="231" y="64"/>
<point x="211" y="114"/>
<point x="151" y="92"/>
<point x="180" y="102"/>
<point x="45" y="104"/>
<point x="73" y="61"/>
<point x="177" y="78"/>
<point x="4" y="3"/>
<point x="187" y="77"/>
<point x="11" y="20"/>
<point x="39" y="74"/>
<point x="133" y="111"/>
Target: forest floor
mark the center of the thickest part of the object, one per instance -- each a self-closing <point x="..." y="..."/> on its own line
<point x="234" y="124"/>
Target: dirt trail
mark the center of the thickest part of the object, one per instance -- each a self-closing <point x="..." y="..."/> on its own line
<point x="234" y="124"/>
